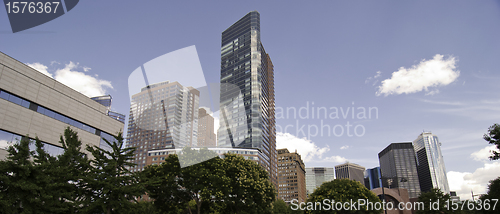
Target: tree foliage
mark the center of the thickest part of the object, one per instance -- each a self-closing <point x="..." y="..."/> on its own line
<point x="229" y="185"/>
<point x="493" y="193"/>
<point x="111" y="187"/>
<point x="343" y="190"/>
<point x="434" y="201"/>
<point x="493" y="137"/>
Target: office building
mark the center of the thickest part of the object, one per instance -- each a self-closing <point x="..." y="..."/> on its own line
<point x="350" y="171"/>
<point x="430" y="163"/>
<point x="35" y="104"/>
<point x="291" y="176"/>
<point x="316" y="176"/>
<point x="372" y="178"/>
<point x="162" y="116"/>
<point x="206" y="135"/>
<point x="399" y="168"/>
<point x="246" y="65"/>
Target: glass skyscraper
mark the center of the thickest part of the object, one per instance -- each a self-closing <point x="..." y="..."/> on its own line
<point x="399" y="169"/>
<point x="316" y="176"/>
<point x="372" y="178"/>
<point x="248" y="119"/>
<point x="431" y="169"/>
<point x="162" y="116"/>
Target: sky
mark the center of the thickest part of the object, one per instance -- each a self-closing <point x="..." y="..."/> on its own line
<point x="381" y="71"/>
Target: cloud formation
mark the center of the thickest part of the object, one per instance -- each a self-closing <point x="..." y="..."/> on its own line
<point x="40" y="67"/>
<point x="465" y="182"/>
<point x="344" y="147"/>
<point x="306" y="148"/>
<point x="79" y="81"/>
<point x="427" y="74"/>
<point x="483" y="154"/>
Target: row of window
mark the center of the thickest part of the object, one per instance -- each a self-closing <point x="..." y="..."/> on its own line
<point x="52" y="114"/>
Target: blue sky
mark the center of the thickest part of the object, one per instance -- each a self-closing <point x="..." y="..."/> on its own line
<point x="332" y="53"/>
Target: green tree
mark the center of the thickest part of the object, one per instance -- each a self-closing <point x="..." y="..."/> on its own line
<point x="493" y="137"/>
<point x="341" y="190"/>
<point x="112" y="188"/>
<point x="246" y="186"/>
<point x="229" y="185"/>
<point x="19" y="188"/>
<point x="493" y="193"/>
<point x="434" y="201"/>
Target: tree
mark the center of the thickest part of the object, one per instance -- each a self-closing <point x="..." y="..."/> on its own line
<point x="434" y="201"/>
<point x="229" y="185"/>
<point x="111" y="187"/>
<point x="493" y="193"/>
<point x="493" y="137"/>
<point x="246" y="186"/>
<point x="341" y="190"/>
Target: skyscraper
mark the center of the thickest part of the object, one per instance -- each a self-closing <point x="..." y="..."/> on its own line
<point x="246" y="65"/>
<point x="162" y="115"/>
<point x="399" y="168"/>
<point x="430" y="162"/>
<point x="206" y="135"/>
<point x="316" y="176"/>
<point x="372" y="178"/>
<point x="291" y="176"/>
<point x="350" y="171"/>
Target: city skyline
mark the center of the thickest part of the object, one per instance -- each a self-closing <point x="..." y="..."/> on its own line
<point x="326" y="54"/>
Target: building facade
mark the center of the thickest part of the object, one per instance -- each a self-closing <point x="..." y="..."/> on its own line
<point x="372" y="178"/>
<point x="430" y="163"/>
<point x="350" y="171"/>
<point x="399" y="168"/>
<point x="206" y="135"/>
<point x="246" y="65"/>
<point x="163" y="115"/>
<point x="35" y="104"/>
<point x="291" y="176"/>
<point x="316" y="176"/>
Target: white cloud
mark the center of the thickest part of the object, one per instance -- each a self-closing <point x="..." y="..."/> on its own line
<point x="427" y="74"/>
<point x="40" y="67"/>
<point x="4" y="144"/>
<point x="306" y="148"/>
<point x="464" y="182"/>
<point x="79" y="81"/>
<point x="85" y="68"/>
<point x="85" y="84"/>
<point x="375" y="81"/>
<point x="344" y="147"/>
<point x="335" y="159"/>
<point x="483" y="154"/>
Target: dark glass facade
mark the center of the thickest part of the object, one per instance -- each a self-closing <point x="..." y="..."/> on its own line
<point x="245" y="64"/>
<point x="399" y="168"/>
<point x="372" y="178"/>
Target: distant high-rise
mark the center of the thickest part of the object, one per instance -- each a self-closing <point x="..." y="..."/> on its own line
<point x="206" y="135"/>
<point x="316" y="176"/>
<point x="350" y="171"/>
<point x="163" y="115"/>
<point x="291" y="176"/>
<point x="246" y="65"/>
<point x="399" y="169"/>
<point x="372" y="178"/>
<point x="430" y="162"/>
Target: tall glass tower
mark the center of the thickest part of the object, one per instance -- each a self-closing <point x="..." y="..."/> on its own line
<point x="246" y="65"/>
<point x="430" y="163"/>
<point x="399" y="168"/>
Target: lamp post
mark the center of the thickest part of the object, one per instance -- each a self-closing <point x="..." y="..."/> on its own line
<point x="383" y="193"/>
